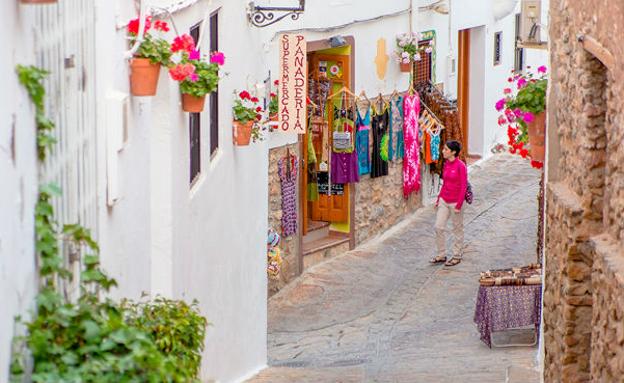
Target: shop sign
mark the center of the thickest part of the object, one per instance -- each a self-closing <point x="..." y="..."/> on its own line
<point x="293" y="84"/>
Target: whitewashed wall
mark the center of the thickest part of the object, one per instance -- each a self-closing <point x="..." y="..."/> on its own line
<point x="206" y="242"/>
<point x="19" y="179"/>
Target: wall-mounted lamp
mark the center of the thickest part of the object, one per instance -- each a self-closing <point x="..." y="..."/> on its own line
<point x="337" y="41"/>
<point x="265" y="16"/>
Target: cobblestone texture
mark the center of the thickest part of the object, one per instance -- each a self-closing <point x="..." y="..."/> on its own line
<point x="381" y="313"/>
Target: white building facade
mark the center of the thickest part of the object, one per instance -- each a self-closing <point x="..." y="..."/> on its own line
<point x="178" y="209"/>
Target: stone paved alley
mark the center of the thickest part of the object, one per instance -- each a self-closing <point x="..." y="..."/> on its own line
<point x="381" y="313"/>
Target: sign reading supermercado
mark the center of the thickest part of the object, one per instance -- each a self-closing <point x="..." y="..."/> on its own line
<point x="293" y="84"/>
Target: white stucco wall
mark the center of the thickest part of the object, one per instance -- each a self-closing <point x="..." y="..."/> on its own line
<point x="19" y="180"/>
<point x="206" y="242"/>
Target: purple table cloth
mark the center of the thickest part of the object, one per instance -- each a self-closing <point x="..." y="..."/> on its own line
<point x="503" y="307"/>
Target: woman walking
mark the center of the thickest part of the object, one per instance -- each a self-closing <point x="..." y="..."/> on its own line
<point x="449" y="204"/>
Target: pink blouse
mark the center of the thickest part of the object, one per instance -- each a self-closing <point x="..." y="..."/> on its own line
<point x="455" y="178"/>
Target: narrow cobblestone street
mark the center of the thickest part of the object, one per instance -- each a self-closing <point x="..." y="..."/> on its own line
<point x="381" y="313"/>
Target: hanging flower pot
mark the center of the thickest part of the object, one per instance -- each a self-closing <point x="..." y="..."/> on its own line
<point x="406" y="67"/>
<point x="192" y="104"/>
<point x="143" y="77"/>
<point x="273" y="118"/>
<point x="38" y="1"/>
<point x="537" y="134"/>
<point x="242" y="132"/>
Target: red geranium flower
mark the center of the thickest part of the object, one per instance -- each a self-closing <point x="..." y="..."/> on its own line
<point x="276" y="82"/>
<point x="181" y="72"/>
<point x="254" y="99"/>
<point x="133" y="25"/>
<point x="259" y="109"/>
<point x="183" y="43"/>
<point x="273" y="94"/>
<point x="161" y="26"/>
<point x="537" y="164"/>
<point x="244" y="95"/>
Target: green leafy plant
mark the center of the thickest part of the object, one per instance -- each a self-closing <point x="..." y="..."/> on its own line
<point x="156" y="49"/>
<point x="196" y="76"/>
<point x="177" y="328"/>
<point x="273" y="103"/>
<point x="32" y="78"/>
<point x="206" y="82"/>
<point x="94" y="339"/>
<point x="246" y="108"/>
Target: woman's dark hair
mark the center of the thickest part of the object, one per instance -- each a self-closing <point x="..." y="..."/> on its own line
<point x="454" y="147"/>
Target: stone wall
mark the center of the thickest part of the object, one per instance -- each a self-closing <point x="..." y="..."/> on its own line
<point x="607" y="350"/>
<point x="380" y="204"/>
<point x="289" y="246"/>
<point x="584" y="284"/>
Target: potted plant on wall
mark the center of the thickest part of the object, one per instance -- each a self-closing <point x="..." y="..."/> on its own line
<point x="150" y="55"/>
<point x="273" y="106"/>
<point x="524" y="114"/>
<point x="409" y="50"/>
<point x="196" y="76"/>
<point x="247" y="113"/>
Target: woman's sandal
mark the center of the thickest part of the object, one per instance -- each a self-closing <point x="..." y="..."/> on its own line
<point x="437" y="259"/>
<point x="452" y="262"/>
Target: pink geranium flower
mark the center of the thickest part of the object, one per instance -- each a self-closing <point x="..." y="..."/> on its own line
<point x="528" y="117"/>
<point x="217" y="58"/>
<point x="507" y="90"/>
<point x="541" y="69"/>
<point x="521" y="83"/>
<point x="500" y="104"/>
<point x="181" y="72"/>
<point x="194" y="54"/>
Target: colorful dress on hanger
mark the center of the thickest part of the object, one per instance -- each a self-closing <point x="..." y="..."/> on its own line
<point x="362" y="142"/>
<point x="344" y="164"/>
<point x="435" y="146"/>
<point x="396" y="144"/>
<point x="289" y="194"/>
<point x="380" y="122"/>
<point x="411" y="161"/>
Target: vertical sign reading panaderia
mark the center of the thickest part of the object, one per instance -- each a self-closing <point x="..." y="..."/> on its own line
<point x="293" y="83"/>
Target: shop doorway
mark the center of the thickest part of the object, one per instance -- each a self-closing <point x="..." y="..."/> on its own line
<point x="463" y="84"/>
<point x="326" y="207"/>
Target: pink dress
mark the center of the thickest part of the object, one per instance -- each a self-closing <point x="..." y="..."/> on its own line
<point x="411" y="160"/>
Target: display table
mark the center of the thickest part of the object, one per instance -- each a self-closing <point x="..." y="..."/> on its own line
<point x="504" y="307"/>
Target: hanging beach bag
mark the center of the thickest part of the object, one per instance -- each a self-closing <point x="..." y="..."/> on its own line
<point x="469" y="196"/>
<point x="342" y="141"/>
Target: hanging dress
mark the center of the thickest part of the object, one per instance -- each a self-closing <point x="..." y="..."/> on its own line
<point x="411" y="161"/>
<point x="289" y="194"/>
<point x="396" y="144"/>
<point x="362" y="142"/>
<point x="344" y="161"/>
<point x="379" y="122"/>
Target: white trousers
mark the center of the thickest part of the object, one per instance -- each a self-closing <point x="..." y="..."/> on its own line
<point x="444" y="211"/>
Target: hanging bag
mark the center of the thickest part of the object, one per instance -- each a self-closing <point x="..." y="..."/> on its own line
<point x="469" y="196"/>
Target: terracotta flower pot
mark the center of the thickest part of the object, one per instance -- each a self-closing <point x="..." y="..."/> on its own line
<point x="38" y="1"/>
<point x="537" y="134"/>
<point x="193" y="104"/>
<point x="241" y="132"/>
<point x="143" y="77"/>
<point x="406" y="67"/>
<point x="273" y="117"/>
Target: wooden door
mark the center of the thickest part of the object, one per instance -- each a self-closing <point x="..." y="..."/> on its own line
<point x="463" y="85"/>
<point x="329" y="207"/>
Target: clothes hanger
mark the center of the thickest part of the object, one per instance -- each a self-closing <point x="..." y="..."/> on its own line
<point x="342" y="90"/>
<point x="364" y="97"/>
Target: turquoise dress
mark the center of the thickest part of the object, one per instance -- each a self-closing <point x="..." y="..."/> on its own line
<point x="395" y="140"/>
